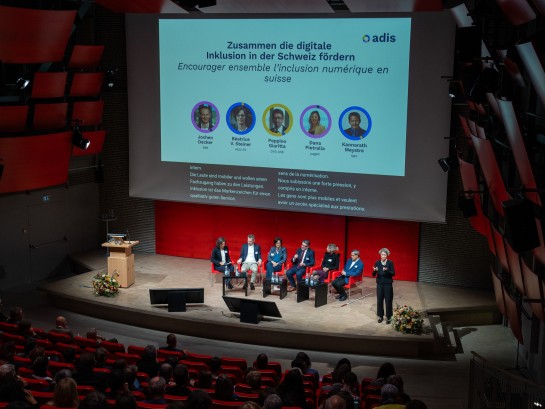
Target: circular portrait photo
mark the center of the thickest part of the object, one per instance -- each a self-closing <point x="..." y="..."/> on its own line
<point x="277" y="119"/>
<point x="315" y="121"/>
<point x="205" y="117"/>
<point x="355" y="123"/>
<point x="240" y="118"/>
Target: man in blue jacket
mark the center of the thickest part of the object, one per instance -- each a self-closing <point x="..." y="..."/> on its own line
<point x="303" y="258"/>
<point x="352" y="268"/>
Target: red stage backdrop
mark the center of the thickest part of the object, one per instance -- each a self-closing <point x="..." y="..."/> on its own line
<point x="191" y="230"/>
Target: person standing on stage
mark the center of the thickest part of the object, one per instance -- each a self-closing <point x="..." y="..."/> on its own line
<point x="221" y="259"/>
<point x="250" y="257"/>
<point x="384" y="271"/>
<point x="303" y="258"/>
<point x="352" y="268"/>
<point x="276" y="258"/>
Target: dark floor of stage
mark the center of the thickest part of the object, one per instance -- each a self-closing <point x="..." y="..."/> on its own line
<point x="350" y="327"/>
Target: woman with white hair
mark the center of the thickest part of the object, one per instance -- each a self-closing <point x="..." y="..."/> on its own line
<point x="384" y="272"/>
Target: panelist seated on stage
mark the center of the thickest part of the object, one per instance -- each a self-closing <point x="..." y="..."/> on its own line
<point x="250" y="259"/>
<point x="303" y="258"/>
<point x="276" y="258"/>
<point x="222" y="260"/>
<point x="330" y="262"/>
<point x="352" y="268"/>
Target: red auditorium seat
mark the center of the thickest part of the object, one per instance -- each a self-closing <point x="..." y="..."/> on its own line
<point x="240" y="362"/>
<point x="112" y="347"/>
<point x="223" y="404"/>
<point x="55" y="337"/>
<point x="198" y="358"/>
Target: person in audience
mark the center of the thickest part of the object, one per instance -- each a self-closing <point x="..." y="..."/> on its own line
<point x="291" y="390"/>
<point x="18" y="405"/>
<point x="24" y="329"/>
<point x="272" y="401"/>
<point x="388" y="398"/>
<point x="116" y="384"/>
<point x="59" y="376"/>
<point x="198" y="400"/>
<point x="181" y="382"/>
<point x="93" y="334"/>
<point x="309" y="370"/>
<point x="265" y="393"/>
<point x="40" y="366"/>
<point x="7" y="352"/>
<point x="12" y="386"/>
<point x="61" y="327"/>
<point x="222" y="260"/>
<point x="415" y="404"/>
<point x="250" y="259"/>
<point x="148" y="362"/>
<point x="131" y="378"/>
<point x="94" y="400"/>
<point x="397" y="381"/>
<point x="303" y="258"/>
<point x="65" y="394"/>
<point x="175" y="404"/>
<point x="156" y="391"/>
<point x="350" y="386"/>
<point x="172" y="345"/>
<point x="335" y="402"/>
<point x="85" y="374"/>
<point x="69" y="355"/>
<point x="215" y="365"/>
<point x="204" y="380"/>
<point x="165" y="372"/>
<point x="253" y="379"/>
<point x="337" y="378"/>
<point x="384" y="272"/>
<point x="101" y="355"/>
<point x="352" y="268"/>
<point x="249" y="405"/>
<point x="276" y="258"/>
<point x="330" y="261"/>
<point x="35" y="353"/>
<point x="384" y="372"/>
<point x="3" y="317"/>
<point x="125" y="400"/>
<point x="261" y="362"/>
<point x="16" y="315"/>
<point x="224" y="389"/>
<point x="172" y="360"/>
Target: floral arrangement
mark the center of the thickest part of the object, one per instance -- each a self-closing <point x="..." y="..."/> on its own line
<point x="407" y="320"/>
<point x="106" y="285"/>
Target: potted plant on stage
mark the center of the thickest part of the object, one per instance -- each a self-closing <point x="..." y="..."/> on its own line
<point x="106" y="285"/>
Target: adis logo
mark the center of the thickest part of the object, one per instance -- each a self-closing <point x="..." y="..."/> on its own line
<point x="383" y="38"/>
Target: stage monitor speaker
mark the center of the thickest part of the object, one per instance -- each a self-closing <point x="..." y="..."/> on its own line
<point x="467" y="206"/>
<point x="520" y="225"/>
<point x="251" y="310"/>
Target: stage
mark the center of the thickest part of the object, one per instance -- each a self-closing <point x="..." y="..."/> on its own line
<point x="347" y="327"/>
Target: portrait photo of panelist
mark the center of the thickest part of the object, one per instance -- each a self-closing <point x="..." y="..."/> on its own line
<point x="277" y="120"/>
<point x="315" y="121"/>
<point x="355" y="123"/>
<point x="205" y="117"/>
<point x="241" y="118"/>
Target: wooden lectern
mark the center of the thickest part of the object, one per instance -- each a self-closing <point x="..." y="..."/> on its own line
<point x="122" y="261"/>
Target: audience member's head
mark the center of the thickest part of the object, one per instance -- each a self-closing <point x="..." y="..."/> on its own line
<point x="94" y="400"/>
<point x="172" y="341"/>
<point x="181" y="376"/>
<point x="249" y="405"/>
<point x="262" y="361"/>
<point x="15" y="315"/>
<point x="130" y="372"/>
<point x="335" y="402"/>
<point x="215" y="364"/>
<point x="272" y="401"/>
<point x="253" y="378"/>
<point x="150" y="352"/>
<point x="302" y="356"/>
<point x="156" y="387"/>
<point x="40" y="365"/>
<point x="24" y="328"/>
<point x="385" y="371"/>
<point x="86" y="362"/>
<point x="204" y="379"/>
<point x="119" y="363"/>
<point x="165" y="372"/>
<point x="224" y="388"/>
<point x="7" y="373"/>
<point x="350" y="382"/>
<point x="7" y="351"/>
<point x="339" y="372"/>
<point x="117" y="380"/>
<point x="198" y="400"/>
<point x="125" y="400"/>
<point x="60" y="322"/>
<point x="69" y="355"/>
<point x="265" y="393"/>
<point x="101" y="354"/>
<point x="415" y="404"/>
<point x="388" y="394"/>
<point x="299" y="363"/>
<point x="343" y="361"/>
<point x="35" y="353"/>
<point x="65" y="394"/>
<point x="172" y="360"/>
<point x="63" y="373"/>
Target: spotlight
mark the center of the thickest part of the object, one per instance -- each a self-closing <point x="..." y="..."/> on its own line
<point x="448" y="163"/>
<point x="22" y="83"/>
<point x="78" y="140"/>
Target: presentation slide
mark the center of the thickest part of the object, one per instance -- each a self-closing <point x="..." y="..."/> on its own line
<point x="344" y="116"/>
<point x="307" y="98"/>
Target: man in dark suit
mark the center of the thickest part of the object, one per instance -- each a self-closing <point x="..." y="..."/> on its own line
<point x="352" y="268"/>
<point x="354" y="119"/>
<point x="61" y="327"/>
<point x="250" y="259"/>
<point x="278" y="122"/>
<point x="303" y="258"/>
